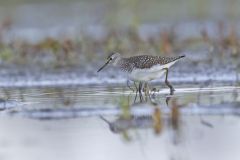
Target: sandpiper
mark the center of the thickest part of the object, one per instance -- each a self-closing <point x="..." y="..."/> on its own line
<point x="143" y="68"/>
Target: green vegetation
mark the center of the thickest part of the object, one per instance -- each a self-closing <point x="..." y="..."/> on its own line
<point x="125" y="107"/>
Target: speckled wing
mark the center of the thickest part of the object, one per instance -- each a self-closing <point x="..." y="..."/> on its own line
<point x="146" y="61"/>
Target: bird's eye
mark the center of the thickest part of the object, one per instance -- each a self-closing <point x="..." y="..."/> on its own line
<point x="111" y="58"/>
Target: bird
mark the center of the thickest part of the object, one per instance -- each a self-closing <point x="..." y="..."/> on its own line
<point x="143" y="68"/>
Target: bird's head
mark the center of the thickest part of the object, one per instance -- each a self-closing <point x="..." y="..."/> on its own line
<point x="113" y="58"/>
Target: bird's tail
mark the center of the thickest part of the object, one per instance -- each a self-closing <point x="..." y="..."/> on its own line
<point x="179" y="57"/>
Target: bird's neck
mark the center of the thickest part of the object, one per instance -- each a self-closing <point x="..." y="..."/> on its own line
<point x="117" y="61"/>
<point x="124" y="65"/>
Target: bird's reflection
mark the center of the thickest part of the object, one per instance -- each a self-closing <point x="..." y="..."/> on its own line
<point x="122" y="124"/>
<point x="155" y="121"/>
<point x="124" y="127"/>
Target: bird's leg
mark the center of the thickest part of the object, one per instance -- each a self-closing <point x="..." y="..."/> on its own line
<point x="136" y="87"/>
<point x="129" y="85"/>
<point x="145" y="87"/>
<point x="136" y="92"/>
<point x="140" y="91"/>
<point x="169" y="97"/>
<point x="167" y="82"/>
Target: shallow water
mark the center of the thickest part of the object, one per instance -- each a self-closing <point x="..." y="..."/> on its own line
<point x="58" y="123"/>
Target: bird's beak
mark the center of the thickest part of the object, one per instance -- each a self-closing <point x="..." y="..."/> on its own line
<point x="103" y="66"/>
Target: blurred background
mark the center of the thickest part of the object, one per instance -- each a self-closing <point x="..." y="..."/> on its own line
<point x="54" y="105"/>
<point x="71" y="33"/>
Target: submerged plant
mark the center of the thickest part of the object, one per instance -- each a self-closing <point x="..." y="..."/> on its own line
<point x="175" y="115"/>
<point x="125" y="107"/>
<point x="157" y="120"/>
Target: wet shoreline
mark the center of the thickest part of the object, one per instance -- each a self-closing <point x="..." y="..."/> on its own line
<point x="87" y="76"/>
<point x="71" y="80"/>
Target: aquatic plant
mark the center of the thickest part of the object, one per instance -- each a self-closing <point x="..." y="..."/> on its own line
<point x="175" y="115"/>
<point x="157" y="121"/>
<point x="125" y="107"/>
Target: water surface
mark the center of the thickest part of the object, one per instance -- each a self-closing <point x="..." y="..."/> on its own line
<point x="58" y="123"/>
